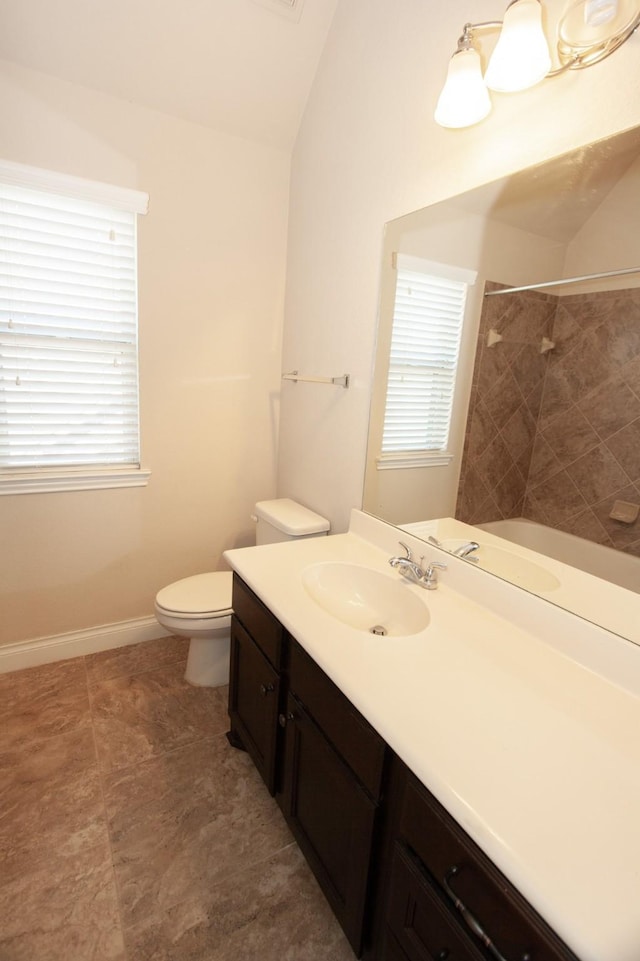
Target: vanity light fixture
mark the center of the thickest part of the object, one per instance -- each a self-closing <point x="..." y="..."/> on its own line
<point x="588" y="32"/>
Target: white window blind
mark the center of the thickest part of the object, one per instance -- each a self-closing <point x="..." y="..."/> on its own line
<point x="68" y="331"/>
<point x="427" y="325"/>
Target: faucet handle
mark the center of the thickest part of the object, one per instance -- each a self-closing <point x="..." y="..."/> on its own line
<point x="407" y="549"/>
<point x="430" y="576"/>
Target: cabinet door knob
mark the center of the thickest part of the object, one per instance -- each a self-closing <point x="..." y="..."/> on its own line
<point x="444" y="954"/>
<point x="266" y="689"/>
<point x="283" y="718"/>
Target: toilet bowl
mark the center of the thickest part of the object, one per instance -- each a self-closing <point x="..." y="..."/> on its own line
<point x="199" y="607"/>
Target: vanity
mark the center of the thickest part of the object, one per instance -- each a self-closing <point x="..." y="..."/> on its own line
<point x="465" y="785"/>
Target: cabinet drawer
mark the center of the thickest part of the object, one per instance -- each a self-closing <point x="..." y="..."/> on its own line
<point x="465" y="875"/>
<point x="351" y="735"/>
<point x="420" y="924"/>
<point x="264" y="628"/>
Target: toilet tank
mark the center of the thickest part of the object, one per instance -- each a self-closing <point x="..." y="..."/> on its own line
<point x="285" y="520"/>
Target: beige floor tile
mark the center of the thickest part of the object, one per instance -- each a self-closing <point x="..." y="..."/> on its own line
<point x="50" y="802"/>
<point x="186" y="821"/>
<point x="145" y="715"/>
<point x="204" y="860"/>
<point x="136" y="658"/>
<point x="65" y="910"/>
<point x="273" y="911"/>
<point x="43" y="702"/>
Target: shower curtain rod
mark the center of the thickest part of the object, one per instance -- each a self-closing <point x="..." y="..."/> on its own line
<point x="559" y="283"/>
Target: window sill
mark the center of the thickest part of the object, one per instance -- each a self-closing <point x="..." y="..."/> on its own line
<point x="49" y="481"/>
<point x="400" y="460"/>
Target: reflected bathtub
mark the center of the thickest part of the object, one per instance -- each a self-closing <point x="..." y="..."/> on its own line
<point x="605" y="562"/>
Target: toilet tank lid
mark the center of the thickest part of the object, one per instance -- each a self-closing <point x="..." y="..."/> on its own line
<point x="291" y="518"/>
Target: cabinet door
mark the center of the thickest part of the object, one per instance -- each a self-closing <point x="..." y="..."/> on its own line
<point x="253" y="702"/>
<point x="330" y="816"/>
<point x="357" y="743"/>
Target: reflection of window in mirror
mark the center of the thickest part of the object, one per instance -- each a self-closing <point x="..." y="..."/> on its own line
<point x="428" y="317"/>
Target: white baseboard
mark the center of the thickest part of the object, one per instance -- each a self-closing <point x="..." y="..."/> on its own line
<point x="59" y="647"/>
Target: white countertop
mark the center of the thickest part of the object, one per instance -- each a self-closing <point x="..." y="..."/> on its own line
<point x="522" y="719"/>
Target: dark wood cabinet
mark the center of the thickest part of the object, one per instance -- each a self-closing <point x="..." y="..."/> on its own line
<point x="265" y="629"/>
<point x="360" y="746"/>
<point x="404" y="880"/>
<point x="254" y="692"/>
<point x="419" y="927"/>
<point x="257" y="646"/>
<point x="331" y="818"/>
<point x="333" y="768"/>
<point x="443" y="898"/>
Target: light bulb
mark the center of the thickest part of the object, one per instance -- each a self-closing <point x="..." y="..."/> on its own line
<point x="598" y="12"/>
<point x="521" y="57"/>
<point x="464" y="99"/>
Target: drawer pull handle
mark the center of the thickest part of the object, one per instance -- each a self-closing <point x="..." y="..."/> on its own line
<point x="266" y="689"/>
<point x="470" y="920"/>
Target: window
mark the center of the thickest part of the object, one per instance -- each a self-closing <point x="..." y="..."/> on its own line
<point x="68" y="333"/>
<point x="425" y="341"/>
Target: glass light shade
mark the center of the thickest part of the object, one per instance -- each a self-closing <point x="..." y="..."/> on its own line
<point x="592" y="29"/>
<point x="464" y="99"/>
<point x="521" y="57"/>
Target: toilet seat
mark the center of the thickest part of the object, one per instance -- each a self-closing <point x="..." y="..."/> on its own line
<point x="198" y="597"/>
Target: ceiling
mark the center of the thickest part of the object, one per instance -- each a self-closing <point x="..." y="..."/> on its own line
<point x="241" y="66"/>
<point x="556" y="198"/>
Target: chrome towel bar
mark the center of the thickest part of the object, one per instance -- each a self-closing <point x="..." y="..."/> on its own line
<point x="293" y="375"/>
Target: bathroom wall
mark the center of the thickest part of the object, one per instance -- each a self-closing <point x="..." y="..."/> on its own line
<point x="556" y="437"/>
<point x="587" y="446"/>
<point x="368" y="152"/>
<point x="610" y="238"/>
<point x="211" y="267"/>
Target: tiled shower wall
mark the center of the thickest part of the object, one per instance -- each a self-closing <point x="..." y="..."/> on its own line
<point x="506" y="396"/>
<point x="555" y="437"/>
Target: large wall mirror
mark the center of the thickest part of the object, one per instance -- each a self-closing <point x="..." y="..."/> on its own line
<point x="545" y="430"/>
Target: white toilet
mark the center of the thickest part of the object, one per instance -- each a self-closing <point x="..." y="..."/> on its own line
<point x="199" y="607"/>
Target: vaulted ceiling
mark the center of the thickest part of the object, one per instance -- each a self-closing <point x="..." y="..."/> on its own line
<point x="242" y="66"/>
<point x="557" y="198"/>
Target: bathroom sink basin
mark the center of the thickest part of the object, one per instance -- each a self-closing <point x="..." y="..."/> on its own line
<point x="366" y="599"/>
<point x="511" y="567"/>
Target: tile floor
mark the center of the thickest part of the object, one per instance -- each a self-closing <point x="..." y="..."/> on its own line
<point x="130" y="830"/>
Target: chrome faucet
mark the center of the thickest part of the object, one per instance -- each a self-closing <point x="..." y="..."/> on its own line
<point x="414" y="572"/>
<point x="407" y="566"/>
<point x="466" y="549"/>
